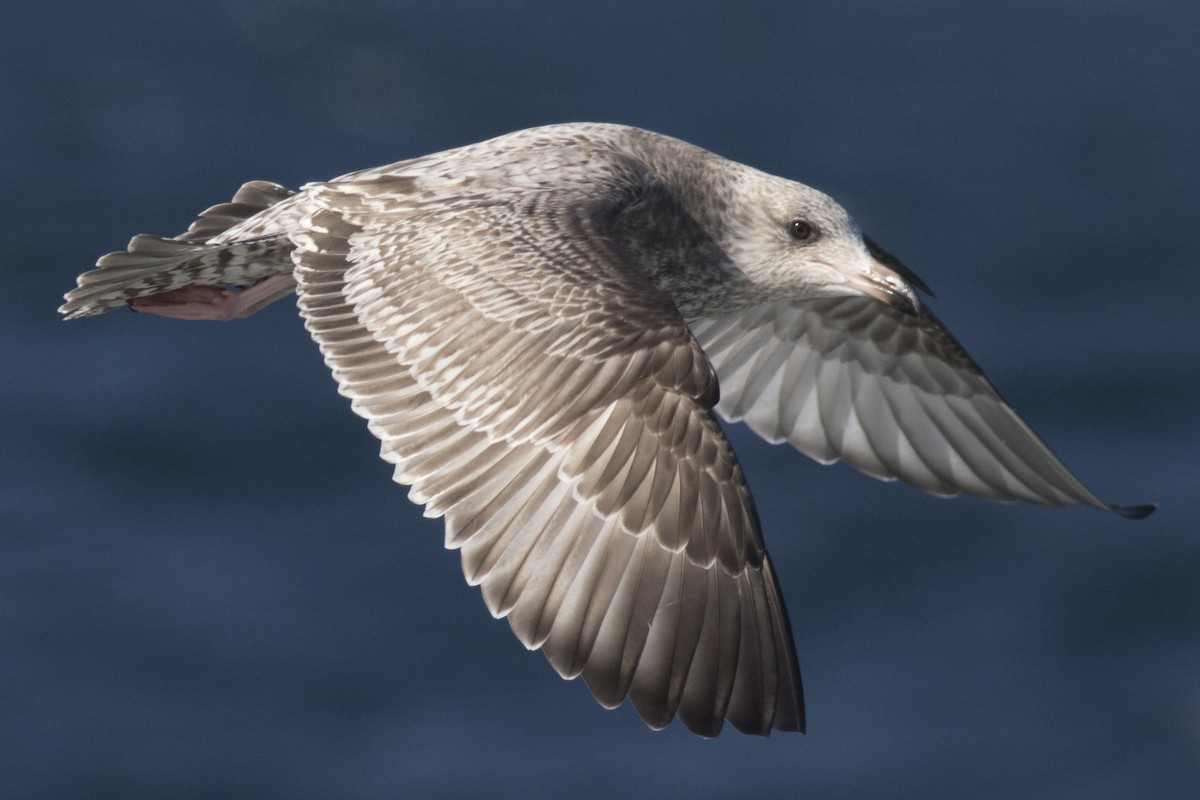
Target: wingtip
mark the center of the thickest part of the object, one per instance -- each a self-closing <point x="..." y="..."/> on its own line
<point x="1134" y="512"/>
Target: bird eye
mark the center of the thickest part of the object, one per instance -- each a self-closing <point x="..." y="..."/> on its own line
<point x="801" y="231"/>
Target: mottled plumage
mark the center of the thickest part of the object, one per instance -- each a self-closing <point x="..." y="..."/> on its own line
<point x="535" y="328"/>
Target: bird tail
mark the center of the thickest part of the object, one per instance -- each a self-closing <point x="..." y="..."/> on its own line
<point x="153" y="264"/>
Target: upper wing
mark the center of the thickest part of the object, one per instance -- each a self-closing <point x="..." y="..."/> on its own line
<point x="552" y="405"/>
<point x="894" y="395"/>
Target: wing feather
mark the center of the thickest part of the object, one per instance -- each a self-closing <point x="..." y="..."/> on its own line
<point x="563" y="429"/>
<point x="893" y="395"/>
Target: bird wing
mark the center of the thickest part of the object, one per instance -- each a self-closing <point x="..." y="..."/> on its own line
<point x="892" y="394"/>
<point x="552" y="406"/>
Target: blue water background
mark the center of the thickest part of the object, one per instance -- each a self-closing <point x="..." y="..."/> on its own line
<point x="209" y="587"/>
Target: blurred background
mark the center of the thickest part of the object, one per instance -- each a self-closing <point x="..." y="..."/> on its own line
<point x="210" y="587"/>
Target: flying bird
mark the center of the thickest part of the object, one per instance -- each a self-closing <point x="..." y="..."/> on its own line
<point x="539" y="327"/>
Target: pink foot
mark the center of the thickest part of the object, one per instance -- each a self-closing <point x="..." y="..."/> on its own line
<point x="213" y="302"/>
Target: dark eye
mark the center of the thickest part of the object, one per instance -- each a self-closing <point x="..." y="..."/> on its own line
<point x="802" y="231"/>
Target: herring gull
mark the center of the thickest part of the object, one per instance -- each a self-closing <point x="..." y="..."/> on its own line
<point x="535" y="327"/>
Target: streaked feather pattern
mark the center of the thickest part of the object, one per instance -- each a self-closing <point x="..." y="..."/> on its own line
<point x="580" y="493"/>
<point x="534" y="328"/>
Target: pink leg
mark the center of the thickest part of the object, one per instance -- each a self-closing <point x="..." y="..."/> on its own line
<point x="213" y="302"/>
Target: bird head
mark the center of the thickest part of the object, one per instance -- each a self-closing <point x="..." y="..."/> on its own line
<point x="797" y="242"/>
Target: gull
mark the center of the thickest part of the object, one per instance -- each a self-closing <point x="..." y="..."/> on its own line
<point x="539" y="329"/>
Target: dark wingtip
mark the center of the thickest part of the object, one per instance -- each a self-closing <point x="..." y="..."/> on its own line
<point x="1135" y="512"/>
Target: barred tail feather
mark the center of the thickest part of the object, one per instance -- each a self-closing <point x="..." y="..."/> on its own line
<point x="152" y="264"/>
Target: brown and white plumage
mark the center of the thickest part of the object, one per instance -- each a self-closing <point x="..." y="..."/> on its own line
<point x="535" y="327"/>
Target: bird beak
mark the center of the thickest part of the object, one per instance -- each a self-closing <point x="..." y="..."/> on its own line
<point x="887" y="280"/>
<point x="885" y="285"/>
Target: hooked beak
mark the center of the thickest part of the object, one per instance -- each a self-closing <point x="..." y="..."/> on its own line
<point x="889" y="281"/>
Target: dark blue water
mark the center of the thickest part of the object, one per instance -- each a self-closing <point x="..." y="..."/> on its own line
<point x="209" y="586"/>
